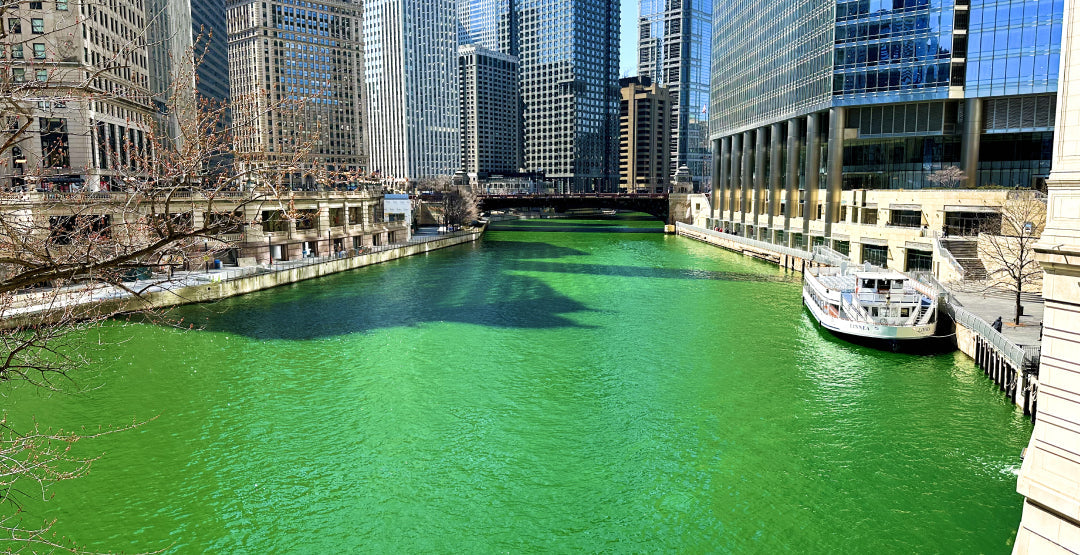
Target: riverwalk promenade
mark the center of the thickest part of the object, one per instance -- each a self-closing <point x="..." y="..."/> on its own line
<point x="210" y="284"/>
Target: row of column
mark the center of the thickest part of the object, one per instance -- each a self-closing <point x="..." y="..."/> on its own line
<point x="740" y="190"/>
<point x="739" y="166"/>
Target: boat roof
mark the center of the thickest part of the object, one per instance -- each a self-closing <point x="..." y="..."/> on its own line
<point x="880" y="275"/>
<point x="839" y="283"/>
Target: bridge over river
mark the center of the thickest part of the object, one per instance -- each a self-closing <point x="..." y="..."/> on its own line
<point x="654" y="204"/>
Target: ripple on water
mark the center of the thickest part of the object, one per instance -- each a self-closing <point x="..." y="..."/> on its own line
<point x="537" y="392"/>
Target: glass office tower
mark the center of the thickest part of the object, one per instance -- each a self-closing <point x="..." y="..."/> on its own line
<point x="569" y="68"/>
<point x="811" y="99"/>
<point x="674" y="51"/>
<point x="490" y="24"/>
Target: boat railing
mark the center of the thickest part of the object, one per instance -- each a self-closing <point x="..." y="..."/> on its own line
<point x="873" y="297"/>
<point x="855" y="310"/>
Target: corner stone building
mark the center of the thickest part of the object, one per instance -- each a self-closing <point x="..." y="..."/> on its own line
<point x="1050" y="475"/>
<point x="76" y="72"/>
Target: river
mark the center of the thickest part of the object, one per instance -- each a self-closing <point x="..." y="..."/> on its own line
<point x="536" y="391"/>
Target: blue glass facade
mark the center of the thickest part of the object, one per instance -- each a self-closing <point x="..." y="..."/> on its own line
<point x="892" y="50"/>
<point x="911" y="87"/>
<point x="489" y="24"/>
<point x="1014" y="47"/>
<point x="674" y="51"/>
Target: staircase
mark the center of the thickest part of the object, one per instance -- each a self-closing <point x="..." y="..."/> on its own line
<point x="966" y="253"/>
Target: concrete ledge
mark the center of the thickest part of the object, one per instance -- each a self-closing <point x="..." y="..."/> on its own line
<point x="213" y="291"/>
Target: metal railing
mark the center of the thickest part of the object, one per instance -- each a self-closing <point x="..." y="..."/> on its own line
<point x="946" y="255"/>
<point x="787" y="251"/>
<point x="1011" y="351"/>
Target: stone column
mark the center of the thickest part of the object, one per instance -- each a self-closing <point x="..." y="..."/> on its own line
<point x="969" y="143"/>
<point x="791" y="184"/>
<point x="1050" y="475"/>
<point x="759" y="178"/>
<point x="736" y="163"/>
<point x="747" y="181"/>
<point x="722" y="175"/>
<point x="813" y="172"/>
<point x="776" y="153"/>
<point x="836" y="168"/>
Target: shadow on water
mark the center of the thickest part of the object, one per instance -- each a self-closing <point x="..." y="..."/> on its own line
<point x="484" y="286"/>
<point x="472" y="287"/>
<point x="644" y="272"/>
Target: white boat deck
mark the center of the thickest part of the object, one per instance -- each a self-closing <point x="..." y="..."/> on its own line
<point x="845" y="284"/>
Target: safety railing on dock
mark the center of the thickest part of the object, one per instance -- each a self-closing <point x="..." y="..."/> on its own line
<point x="779" y="249"/>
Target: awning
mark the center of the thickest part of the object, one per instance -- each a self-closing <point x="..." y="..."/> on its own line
<point x="973" y="208"/>
<point x="870" y="205"/>
<point x="913" y="246"/>
<point x="874" y="241"/>
<point x="840" y="237"/>
<point x="915" y="207"/>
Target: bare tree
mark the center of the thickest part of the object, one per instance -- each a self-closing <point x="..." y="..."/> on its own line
<point x="162" y="197"/>
<point x="949" y="176"/>
<point x="1008" y="244"/>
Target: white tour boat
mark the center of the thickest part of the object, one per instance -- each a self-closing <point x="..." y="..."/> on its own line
<point x="880" y="307"/>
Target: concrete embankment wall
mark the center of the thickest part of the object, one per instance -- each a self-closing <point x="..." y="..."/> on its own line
<point x="213" y="291"/>
<point x="786" y="261"/>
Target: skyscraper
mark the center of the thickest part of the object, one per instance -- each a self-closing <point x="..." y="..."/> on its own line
<point x="644" y="134"/>
<point x="411" y="83"/>
<point x="187" y="66"/>
<point x="294" y="71"/>
<point x="490" y="112"/>
<point x="76" y="78"/>
<point x="569" y="60"/>
<point x="488" y="23"/>
<point x="674" y="51"/>
<point x="812" y="99"/>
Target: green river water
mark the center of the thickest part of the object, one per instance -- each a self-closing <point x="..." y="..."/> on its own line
<point x="535" y="391"/>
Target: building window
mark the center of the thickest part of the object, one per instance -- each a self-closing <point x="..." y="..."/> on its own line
<point x="62" y="5"/>
<point x="18" y="74"/>
<point x="35" y="5"/>
<point x="54" y="142"/>
<point x="42" y="75"/>
<point x="39" y="50"/>
<point x="17" y="51"/>
<point x="876" y="255"/>
<point x="14" y="26"/>
<point x="37" y="25"/>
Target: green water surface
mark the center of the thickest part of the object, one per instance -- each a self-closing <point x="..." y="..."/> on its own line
<point x="536" y="391"/>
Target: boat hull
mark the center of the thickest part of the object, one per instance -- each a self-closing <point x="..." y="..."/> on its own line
<point x="908" y="339"/>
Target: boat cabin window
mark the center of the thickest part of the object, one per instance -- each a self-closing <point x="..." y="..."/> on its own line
<point x="867" y="283"/>
<point x="905" y="312"/>
<point x="873" y="311"/>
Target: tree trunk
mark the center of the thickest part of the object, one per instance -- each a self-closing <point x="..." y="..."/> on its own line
<point x="1016" y="317"/>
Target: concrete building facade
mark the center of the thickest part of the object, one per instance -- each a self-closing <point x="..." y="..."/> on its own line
<point x="644" y="135"/>
<point x="490" y="112"/>
<point x="1049" y="478"/>
<point x="811" y="100"/>
<point x="74" y="77"/>
<point x="295" y="77"/>
<point x="674" y="39"/>
<point x="410" y="78"/>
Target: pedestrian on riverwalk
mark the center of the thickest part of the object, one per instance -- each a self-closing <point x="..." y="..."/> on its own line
<point x="997" y="324"/>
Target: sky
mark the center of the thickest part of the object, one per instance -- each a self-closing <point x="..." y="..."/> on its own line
<point x="628" y="38"/>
